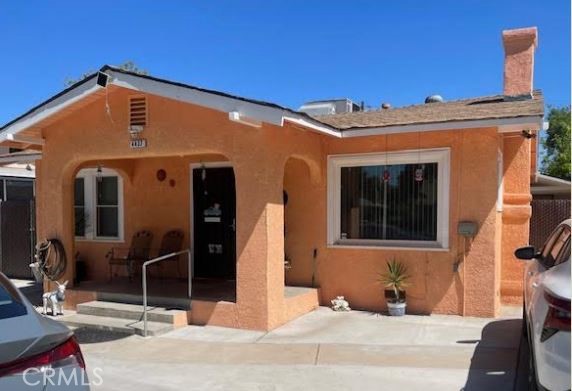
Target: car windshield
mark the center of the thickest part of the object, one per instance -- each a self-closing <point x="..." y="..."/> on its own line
<point x="10" y="304"/>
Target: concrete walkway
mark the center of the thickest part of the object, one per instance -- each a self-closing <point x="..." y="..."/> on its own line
<point x="321" y="350"/>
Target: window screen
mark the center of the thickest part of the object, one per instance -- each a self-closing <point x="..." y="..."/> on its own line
<point x="19" y="190"/>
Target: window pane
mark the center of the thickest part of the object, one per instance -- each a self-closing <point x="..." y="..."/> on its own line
<point x="19" y="190"/>
<point x="107" y="223"/>
<point x="107" y="191"/>
<point x="79" y="192"/>
<point x="80" y="220"/>
<point x="400" y="208"/>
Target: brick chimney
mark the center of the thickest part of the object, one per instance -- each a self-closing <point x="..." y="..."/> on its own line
<point x="519" y="46"/>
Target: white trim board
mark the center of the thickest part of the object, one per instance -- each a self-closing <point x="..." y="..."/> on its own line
<point x="503" y="124"/>
<point x="441" y="156"/>
<point x="88" y="87"/>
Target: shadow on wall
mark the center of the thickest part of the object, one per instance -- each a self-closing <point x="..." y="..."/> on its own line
<point x="495" y="362"/>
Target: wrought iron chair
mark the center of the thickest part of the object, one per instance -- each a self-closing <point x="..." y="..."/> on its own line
<point x="137" y="252"/>
<point x="172" y="242"/>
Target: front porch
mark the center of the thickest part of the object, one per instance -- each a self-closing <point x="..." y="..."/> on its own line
<point x="212" y="302"/>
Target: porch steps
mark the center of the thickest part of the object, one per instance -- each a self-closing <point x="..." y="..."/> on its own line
<point x="117" y="325"/>
<point x="125" y="318"/>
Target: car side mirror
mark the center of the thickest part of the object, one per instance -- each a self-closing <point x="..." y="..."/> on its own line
<point x="527" y="252"/>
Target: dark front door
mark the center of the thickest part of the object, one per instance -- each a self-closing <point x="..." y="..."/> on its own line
<point x="214" y="215"/>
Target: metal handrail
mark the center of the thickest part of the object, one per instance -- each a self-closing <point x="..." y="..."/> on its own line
<point x="144" y="276"/>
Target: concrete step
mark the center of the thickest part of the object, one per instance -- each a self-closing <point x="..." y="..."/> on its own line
<point x="118" y="325"/>
<point x="160" y="301"/>
<point x="132" y="312"/>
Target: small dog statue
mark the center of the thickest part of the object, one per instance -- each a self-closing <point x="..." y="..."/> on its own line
<point x="55" y="299"/>
<point x="340" y="304"/>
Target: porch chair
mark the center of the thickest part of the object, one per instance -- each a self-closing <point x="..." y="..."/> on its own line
<point x="172" y="242"/>
<point x="138" y="252"/>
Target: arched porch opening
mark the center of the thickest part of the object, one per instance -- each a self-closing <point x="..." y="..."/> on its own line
<point x="301" y="221"/>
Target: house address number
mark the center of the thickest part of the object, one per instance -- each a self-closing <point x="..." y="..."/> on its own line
<point x="138" y="143"/>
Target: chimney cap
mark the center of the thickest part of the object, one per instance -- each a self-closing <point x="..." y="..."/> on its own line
<point x="520" y="35"/>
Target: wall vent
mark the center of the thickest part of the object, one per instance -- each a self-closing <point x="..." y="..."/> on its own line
<point x="137" y="111"/>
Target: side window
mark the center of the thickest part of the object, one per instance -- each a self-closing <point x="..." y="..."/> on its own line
<point x="564" y="254"/>
<point x="555" y="246"/>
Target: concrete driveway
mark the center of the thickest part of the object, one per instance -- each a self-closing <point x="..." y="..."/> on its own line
<point x="322" y="350"/>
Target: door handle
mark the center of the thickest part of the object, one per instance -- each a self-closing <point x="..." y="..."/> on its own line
<point x="530" y="273"/>
<point x="535" y="285"/>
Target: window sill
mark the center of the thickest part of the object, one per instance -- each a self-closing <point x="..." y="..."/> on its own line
<point x="386" y="247"/>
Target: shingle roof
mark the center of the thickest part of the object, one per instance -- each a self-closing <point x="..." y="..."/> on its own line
<point x="487" y="107"/>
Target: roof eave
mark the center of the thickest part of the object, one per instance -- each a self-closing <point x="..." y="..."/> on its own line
<point x="503" y="125"/>
<point x="260" y="111"/>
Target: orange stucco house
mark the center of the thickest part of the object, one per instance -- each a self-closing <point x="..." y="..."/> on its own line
<point x="282" y="210"/>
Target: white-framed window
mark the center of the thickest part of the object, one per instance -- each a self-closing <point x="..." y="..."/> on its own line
<point x="98" y="205"/>
<point x="398" y="199"/>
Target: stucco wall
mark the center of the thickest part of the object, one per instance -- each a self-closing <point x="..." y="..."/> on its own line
<point x="435" y="286"/>
<point x="179" y="133"/>
<point x="516" y="213"/>
<point x="90" y="136"/>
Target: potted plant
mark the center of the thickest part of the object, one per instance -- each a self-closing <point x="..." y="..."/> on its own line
<point x="396" y="280"/>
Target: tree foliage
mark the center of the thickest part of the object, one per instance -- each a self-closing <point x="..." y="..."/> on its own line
<point x="556" y="161"/>
<point x="129" y="66"/>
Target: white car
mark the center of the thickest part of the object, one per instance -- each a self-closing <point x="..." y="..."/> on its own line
<point x="546" y="312"/>
<point x="36" y="353"/>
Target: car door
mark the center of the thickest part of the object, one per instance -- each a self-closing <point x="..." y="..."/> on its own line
<point x="552" y="251"/>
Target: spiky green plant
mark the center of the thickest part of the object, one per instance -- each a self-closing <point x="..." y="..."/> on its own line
<point x="395" y="278"/>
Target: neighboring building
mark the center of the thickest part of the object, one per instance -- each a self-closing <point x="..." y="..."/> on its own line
<point x="253" y="184"/>
<point x="545" y="187"/>
<point x="17" y="227"/>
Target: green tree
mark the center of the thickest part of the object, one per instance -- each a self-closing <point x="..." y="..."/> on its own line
<point x="126" y="66"/>
<point x="556" y="161"/>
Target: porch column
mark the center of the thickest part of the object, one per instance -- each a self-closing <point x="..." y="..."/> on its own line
<point x="54" y="206"/>
<point x="260" y="243"/>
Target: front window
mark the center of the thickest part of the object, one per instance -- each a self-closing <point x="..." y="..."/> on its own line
<point x="398" y="199"/>
<point x="98" y="205"/>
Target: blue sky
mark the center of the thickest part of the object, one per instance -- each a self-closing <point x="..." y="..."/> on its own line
<point x="285" y="52"/>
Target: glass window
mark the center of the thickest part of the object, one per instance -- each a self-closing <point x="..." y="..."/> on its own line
<point x="97" y="205"/>
<point x="398" y="199"/>
<point x="107" y="207"/>
<point x="19" y="190"/>
<point x="79" y="207"/>
<point x="388" y="202"/>
<point x="555" y="246"/>
<point x="10" y="304"/>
